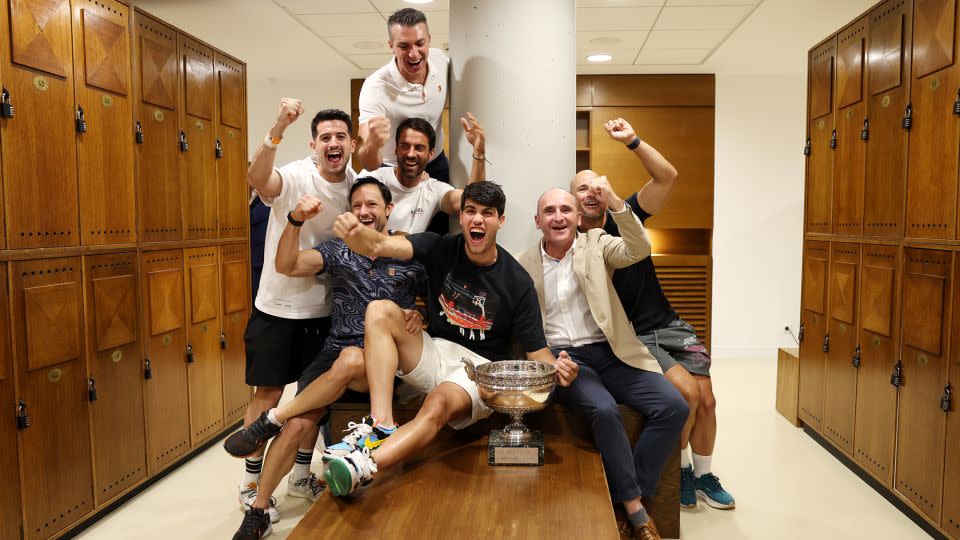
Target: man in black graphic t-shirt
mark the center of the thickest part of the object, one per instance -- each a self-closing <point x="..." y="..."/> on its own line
<point x="479" y="300"/>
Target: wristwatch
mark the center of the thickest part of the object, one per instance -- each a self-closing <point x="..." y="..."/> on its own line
<point x="293" y="221"/>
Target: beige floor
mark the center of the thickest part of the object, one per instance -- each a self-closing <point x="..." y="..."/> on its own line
<point x="787" y="486"/>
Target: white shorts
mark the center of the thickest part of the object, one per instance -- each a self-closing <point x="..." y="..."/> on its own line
<point x="440" y="362"/>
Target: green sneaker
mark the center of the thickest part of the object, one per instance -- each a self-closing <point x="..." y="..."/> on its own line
<point x="709" y="489"/>
<point x="688" y="496"/>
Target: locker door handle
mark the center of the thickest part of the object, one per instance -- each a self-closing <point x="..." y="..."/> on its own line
<point x="190" y="358"/>
<point x="945" y="399"/>
<point x="81" y="120"/>
<point x="23" y="419"/>
<point x="218" y="150"/>
<point x="6" y="108"/>
<point x="92" y="389"/>
<point x="138" y="134"/>
<point x="800" y="333"/>
<point x="896" y="379"/>
<point x="806" y="147"/>
<point x="826" y="343"/>
<point x="865" y="133"/>
<point x="856" y="357"/>
<point x="183" y="142"/>
<point x="147" y="369"/>
<point x="908" y="117"/>
<point x="956" y="104"/>
<point x="833" y="140"/>
<point x="223" y="340"/>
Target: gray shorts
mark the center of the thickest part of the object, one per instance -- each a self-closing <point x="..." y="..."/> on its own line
<point x="677" y="344"/>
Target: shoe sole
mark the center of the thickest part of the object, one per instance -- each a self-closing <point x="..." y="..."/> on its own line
<point x="337" y="488"/>
<point x="243" y="455"/>
<point x="694" y="505"/>
<point x="714" y="504"/>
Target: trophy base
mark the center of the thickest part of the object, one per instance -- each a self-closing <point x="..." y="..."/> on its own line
<point x="503" y="451"/>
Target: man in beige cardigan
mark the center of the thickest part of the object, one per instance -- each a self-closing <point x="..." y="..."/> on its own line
<point x="582" y="315"/>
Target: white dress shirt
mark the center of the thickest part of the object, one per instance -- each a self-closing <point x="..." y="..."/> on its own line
<point x="568" y="322"/>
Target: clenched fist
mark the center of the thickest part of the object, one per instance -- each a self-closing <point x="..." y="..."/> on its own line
<point x="307" y="207"/>
<point x="378" y="130"/>
<point x="346" y="225"/>
<point x="601" y="190"/>
<point x="290" y="110"/>
<point x="620" y="130"/>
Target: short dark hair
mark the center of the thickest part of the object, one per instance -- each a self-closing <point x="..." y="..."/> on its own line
<point x="330" y="114"/>
<point x="417" y="124"/>
<point x="367" y="181"/>
<point x="486" y="193"/>
<point x="406" y="17"/>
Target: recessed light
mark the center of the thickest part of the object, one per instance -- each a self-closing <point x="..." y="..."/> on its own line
<point x="369" y="45"/>
<point x="599" y="58"/>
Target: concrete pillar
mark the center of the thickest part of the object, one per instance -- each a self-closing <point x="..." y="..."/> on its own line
<point x="514" y="66"/>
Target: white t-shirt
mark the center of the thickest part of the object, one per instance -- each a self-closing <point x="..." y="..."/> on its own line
<point x="413" y="208"/>
<point x="300" y="297"/>
<point x="387" y="93"/>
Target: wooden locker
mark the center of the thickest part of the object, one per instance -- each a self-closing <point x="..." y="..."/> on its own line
<point x="165" y="366"/>
<point x="101" y="50"/>
<point x="888" y="94"/>
<point x="935" y="135"/>
<point x="113" y="356"/>
<point x="204" y="373"/>
<point x="924" y="353"/>
<point x="850" y="159"/>
<point x="198" y="168"/>
<point x="876" y="416"/>
<point x="950" y="521"/>
<point x="232" y="158"/>
<point x="47" y="326"/>
<point x="821" y="132"/>
<point x="9" y="465"/>
<point x="813" y="326"/>
<point x="40" y="141"/>
<point x="157" y="115"/>
<point x="840" y="375"/>
<point x="235" y="306"/>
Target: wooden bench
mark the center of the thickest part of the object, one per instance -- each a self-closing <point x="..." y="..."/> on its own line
<point x="788" y="379"/>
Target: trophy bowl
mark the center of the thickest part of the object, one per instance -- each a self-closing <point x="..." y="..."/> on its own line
<point x="513" y="387"/>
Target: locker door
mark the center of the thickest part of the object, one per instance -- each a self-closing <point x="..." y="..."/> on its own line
<point x="9" y="466"/>
<point x="924" y="350"/>
<point x="888" y="93"/>
<point x="164" y="337"/>
<point x="840" y="376"/>
<point x="234" y="276"/>
<point x="101" y="47"/>
<point x="157" y="157"/>
<point x="113" y="356"/>
<point x="198" y="169"/>
<point x="876" y="398"/>
<point x="232" y="166"/>
<point x="203" y="339"/>
<point x="935" y="136"/>
<point x="849" y="164"/>
<point x="38" y="74"/>
<point x="47" y="321"/>
<point x="950" y="521"/>
<point x="813" y="324"/>
<point x="820" y="163"/>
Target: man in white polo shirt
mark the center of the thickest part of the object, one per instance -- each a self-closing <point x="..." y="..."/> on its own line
<point x="291" y="317"/>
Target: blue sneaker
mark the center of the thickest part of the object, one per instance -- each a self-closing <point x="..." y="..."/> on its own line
<point x="688" y="497"/>
<point x="709" y="489"/>
<point x="365" y="435"/>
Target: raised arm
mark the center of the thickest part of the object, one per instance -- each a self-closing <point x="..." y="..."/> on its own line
<point x="291" y="260"/>
<point x="373" y="134"/>
<point x="261" y="175"/>
<point x="633" y="244"/>
<point x="654" y="194"/>
<point x="370" y="243"/>
<point x="478" y="169"/>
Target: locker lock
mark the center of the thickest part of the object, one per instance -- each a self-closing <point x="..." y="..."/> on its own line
<point x="138" y="134"/>
<point x="92" y="389"/>
<point x="6" y="108"/>
<point x="806" y="147"/>
<point x="856" y="357"/>
<point x="23" y="419"/>
<point x="956" y="104"/>
<point x="800" y="333"/>
<point x="223" y="340"/>
<point x="833" y="140"/>
<point x="865" y="133"/>
<point x="190" y="358"/>
<point x="826" y="343"/>
<point x="908" y="117"/>
<point x="945" y="399"/>
<point x="183" y="142"/>
<point x="897" y="378"/>
<point x="81" y="121"/>
<point x="147" y="369"/>
<point x="218" y="151"/>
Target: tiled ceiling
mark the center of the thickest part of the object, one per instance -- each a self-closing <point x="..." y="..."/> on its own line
<point x="633" y="32"/>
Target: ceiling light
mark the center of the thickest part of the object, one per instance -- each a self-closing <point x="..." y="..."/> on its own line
<point x="599" y="58"/>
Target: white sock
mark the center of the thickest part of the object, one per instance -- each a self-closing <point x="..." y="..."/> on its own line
<point x="701" y="464"/>
<point x="685" y="457"/>
<point x="273" y="418"/>
<point x="301" y="467"/>
<point x="251" y="472"/>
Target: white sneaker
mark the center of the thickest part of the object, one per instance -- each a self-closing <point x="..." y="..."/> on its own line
<point x="347" y="473"/>
<point x="307" y="487"/>
<point x="248" y="495"/>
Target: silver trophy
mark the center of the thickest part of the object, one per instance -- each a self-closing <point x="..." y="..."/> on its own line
<point x="514" y="387"/>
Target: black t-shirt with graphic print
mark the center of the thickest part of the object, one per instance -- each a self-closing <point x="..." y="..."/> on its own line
<point x="483" y="308"/>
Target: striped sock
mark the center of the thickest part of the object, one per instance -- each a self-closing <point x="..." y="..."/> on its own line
<point x="301" y="467"/>
<point x="252" y="473"/>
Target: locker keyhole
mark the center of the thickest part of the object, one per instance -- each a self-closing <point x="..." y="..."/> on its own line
<point x="81" y="120"/>
<point x="218" y="151"/>
<point x="23" y="419"/>
<point x="92" y="389"/>
<point x="6" y="108"/>
<point x="908" y="117"/>
<point x="183" y="142"/>
<point x="190" y="358"/>
<point x="945" y="399"/>
<point x="806" y="147"/>
<point x="865" y="132"/>
<point x="897" y="378"/>
<point x="856" y="357"/>
<point x="147" y="369"/>
<point x="138" y="134"/>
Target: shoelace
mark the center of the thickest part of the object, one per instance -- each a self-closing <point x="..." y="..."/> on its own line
<point x="711" y="481"/>
<point x="363" y="463"/>
<point x="357" y="432"/>
<point x="252" y="521"/>
<point x="262" y="430"/>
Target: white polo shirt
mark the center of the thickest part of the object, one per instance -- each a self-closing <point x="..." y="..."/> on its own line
<point x="414" y="207"/>
<point x="300" y="297"/>
<point x="387" y="93"/>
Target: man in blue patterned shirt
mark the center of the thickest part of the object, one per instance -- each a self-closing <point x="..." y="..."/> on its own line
<point x="356" y="281"/>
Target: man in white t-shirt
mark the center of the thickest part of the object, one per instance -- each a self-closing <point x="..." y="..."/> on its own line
<point x="417" y="197"/>
<point x="291" y="317"/>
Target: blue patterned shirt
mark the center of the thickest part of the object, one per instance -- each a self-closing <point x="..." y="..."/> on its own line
<point x="357" y="281"/>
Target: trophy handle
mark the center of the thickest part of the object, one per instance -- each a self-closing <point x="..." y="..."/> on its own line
<point x="469" y="368"/>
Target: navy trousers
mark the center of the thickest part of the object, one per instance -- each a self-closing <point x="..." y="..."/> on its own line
<point x="604" y="381"/>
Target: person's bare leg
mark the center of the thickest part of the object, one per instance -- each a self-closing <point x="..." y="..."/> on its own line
<point x="389" y="346"/>
<point x="264" y="398"/>
<point x="444" y="404"/>
<point x="347" y="370"/>
<point x="704" y="435"/>
<point x="683" y="381"/>
<point x="283" y="453"/>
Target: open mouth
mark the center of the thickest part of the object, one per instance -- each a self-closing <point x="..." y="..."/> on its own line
<point x="477" y="234"/>
<point x="415" y="65"/>
<point x="334" y="157"/>
<point x="368" y="221"/>
<point x="559" y="227"/>
<point x="591" y="204"/>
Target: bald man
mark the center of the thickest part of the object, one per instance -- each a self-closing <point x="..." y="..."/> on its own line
<point x="582" y="315"/>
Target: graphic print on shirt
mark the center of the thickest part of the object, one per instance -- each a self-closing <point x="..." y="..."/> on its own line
<point x="471" y="310"/>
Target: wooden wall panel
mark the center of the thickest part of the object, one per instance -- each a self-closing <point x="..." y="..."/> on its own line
<point x="687" y="282"/>
<point x="822" y="70"/>
<point x="686" y="90"/>
<point x="950" y="521"/>
<point x="921" y="425"/>
<point x="164" y="338"/>
<point x="105" y="153"/>
<point x="819" y="175"/>
<point x="850" y="160"/>
<point x="10" y="519"/>
<point x="113" y="355"/>
<point x="55" y="396"/>
<point x="813" y="323"/>
<point x="205" y="379"/>
<point x="888" y="93"/>
<point x="41" y="205"/>
<point x="235" y="310"/>
<point x="840" y="375"/>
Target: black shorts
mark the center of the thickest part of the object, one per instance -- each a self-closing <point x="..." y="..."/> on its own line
<point x="320" y="365"/>
<point x="278" y="349"/>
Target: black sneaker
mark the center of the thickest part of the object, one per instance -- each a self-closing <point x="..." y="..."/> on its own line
<point x="256" y="525"/>
<point x="247" y="440"/>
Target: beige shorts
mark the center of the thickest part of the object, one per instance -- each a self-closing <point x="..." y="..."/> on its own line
<point x="440" y="362"/>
